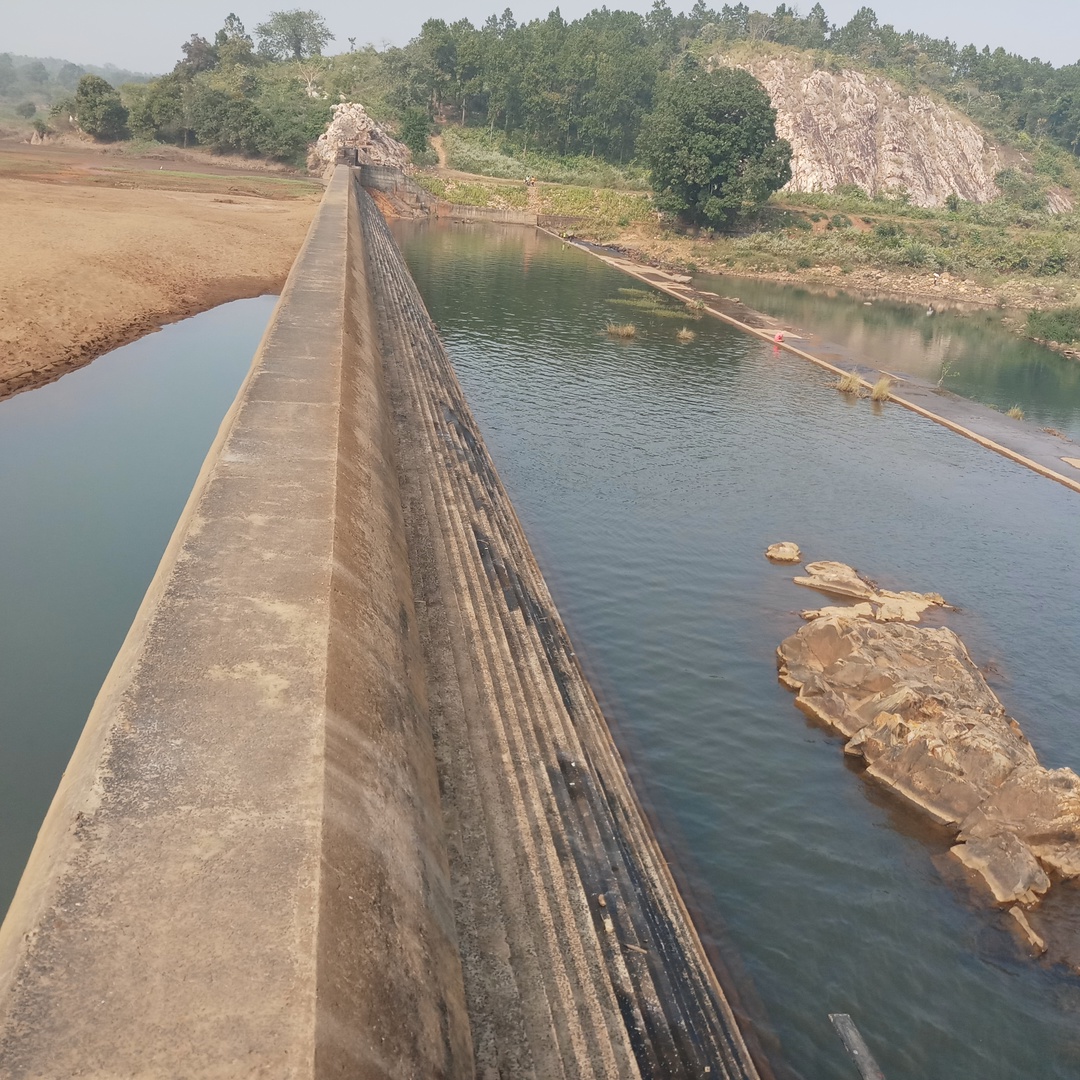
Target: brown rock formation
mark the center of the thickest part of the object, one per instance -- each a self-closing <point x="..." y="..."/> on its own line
<point x="916" y="709"/>
<point x="785" y="552"/>
<point x="838" y="579"/>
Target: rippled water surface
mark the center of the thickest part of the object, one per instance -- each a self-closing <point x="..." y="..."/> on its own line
<point x="94" y="471"/>
<point x="964" y="350"/>
<point x="650" y="476"/>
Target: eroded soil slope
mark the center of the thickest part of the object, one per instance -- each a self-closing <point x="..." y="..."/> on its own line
<point x="97" y="252"/>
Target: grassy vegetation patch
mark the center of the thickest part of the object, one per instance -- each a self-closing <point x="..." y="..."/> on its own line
<point x="655" y="305"/>
<point x="603" y="210"/>
<point x="849" y="383"/>
<point x="478" y="150"/>
<point x="475" y="193"/>
<point x="1061" y="325"/>
<point x="881" y="389"/>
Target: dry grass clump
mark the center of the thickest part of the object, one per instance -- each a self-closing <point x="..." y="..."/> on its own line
<point x="849" y="383"/>
<point x="881" y="389"/>
<point x="695" y="304"/>
<point x="685" y="334"/>
<point x="622" y="330"/>
<point x="1016" y="413"/>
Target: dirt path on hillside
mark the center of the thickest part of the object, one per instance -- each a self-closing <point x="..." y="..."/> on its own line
<point x="439" y="147"/>
<point x="97" y="253"/>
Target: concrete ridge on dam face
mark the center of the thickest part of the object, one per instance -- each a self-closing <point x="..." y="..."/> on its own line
<point x="345" y="805"/>
<point x="579" y="957"/>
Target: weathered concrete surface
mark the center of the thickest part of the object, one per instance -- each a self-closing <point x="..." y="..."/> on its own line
<point x="578" y="955"/>
<point x="243" y="871"/>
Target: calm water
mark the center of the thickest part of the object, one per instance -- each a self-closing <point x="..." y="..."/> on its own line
<point x="650" y="476"/>
<point x="94" y="471"/>
<point x="967" y="352"/>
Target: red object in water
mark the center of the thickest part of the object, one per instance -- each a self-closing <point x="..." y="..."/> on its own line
<point x="779" y="335"/>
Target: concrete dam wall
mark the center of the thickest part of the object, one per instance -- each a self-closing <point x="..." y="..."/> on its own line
<point x="345" y="805"/>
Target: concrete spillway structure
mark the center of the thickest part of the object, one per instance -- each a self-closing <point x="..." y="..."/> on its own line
<point x="345" y="805"/>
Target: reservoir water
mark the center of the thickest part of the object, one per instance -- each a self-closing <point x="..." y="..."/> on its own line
<point x="963" y="349"/>
<point x="650" y="475"/>
<point x="94" y="471"/>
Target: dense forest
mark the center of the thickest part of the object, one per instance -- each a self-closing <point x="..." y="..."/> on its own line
<point x="565" y="88"/>
<point x="585" y="86"/>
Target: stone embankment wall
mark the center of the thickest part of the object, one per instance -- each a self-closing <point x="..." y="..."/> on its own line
<point x="345" y="805"/>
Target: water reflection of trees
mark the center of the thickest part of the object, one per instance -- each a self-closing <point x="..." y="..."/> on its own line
<point x="967" y="350"/>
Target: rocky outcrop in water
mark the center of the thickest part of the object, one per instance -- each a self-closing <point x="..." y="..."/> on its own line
<point x="351" y="126"/>
<point x="846" y="127"/>
<point x="784" y="552"/>
<point x="917" y="710"/>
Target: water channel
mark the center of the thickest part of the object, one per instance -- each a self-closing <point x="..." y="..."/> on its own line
<point x="649" y="475"/>
<point x="94" y="471"/>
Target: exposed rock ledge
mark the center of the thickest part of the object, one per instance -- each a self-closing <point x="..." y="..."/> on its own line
<point x="351" y="126"/>
<point x="916" y="709"/>
<point x="846" y="127"/>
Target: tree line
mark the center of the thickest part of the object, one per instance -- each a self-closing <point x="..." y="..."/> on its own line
<point x="255" y="96"/>
<point x="585" y="86"/>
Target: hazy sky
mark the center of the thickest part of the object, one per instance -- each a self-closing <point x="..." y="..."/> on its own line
<point x="145" y="35"/>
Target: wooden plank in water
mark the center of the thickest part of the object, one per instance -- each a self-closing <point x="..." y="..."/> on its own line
<point x="856" y="1046"/>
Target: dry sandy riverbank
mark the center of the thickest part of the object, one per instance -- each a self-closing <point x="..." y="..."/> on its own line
<point x="98" y="251"/>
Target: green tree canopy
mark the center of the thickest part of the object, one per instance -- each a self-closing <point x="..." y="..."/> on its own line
<point x="98" y="109"/>
<point x="413" y="131"/>
<point x="293" y="35"/>
<point x="199" y="55"/>
<point x="711" y="145"/>
<point x="233" y="43"/>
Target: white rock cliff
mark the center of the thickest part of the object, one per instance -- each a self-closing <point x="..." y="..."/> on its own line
<point x="846" y="127"/>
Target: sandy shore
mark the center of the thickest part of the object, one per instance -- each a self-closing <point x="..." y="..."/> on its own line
<point x="98" y="251"/>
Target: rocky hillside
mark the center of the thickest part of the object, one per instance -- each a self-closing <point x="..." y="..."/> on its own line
<point x="846" y="127"/>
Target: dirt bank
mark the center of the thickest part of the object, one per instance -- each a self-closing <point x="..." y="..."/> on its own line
<point x="1019" y="293"/>
<point x="99" y="251"/>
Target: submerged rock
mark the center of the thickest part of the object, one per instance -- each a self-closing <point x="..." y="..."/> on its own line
<point x="913" y="705"/>
<point x="839" y="579"/>
<point x="1026" y="929"/>
<point x="1007" y="866"/>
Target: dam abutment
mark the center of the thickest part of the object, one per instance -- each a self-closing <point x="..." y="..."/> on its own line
<point x="346" y="805"/>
